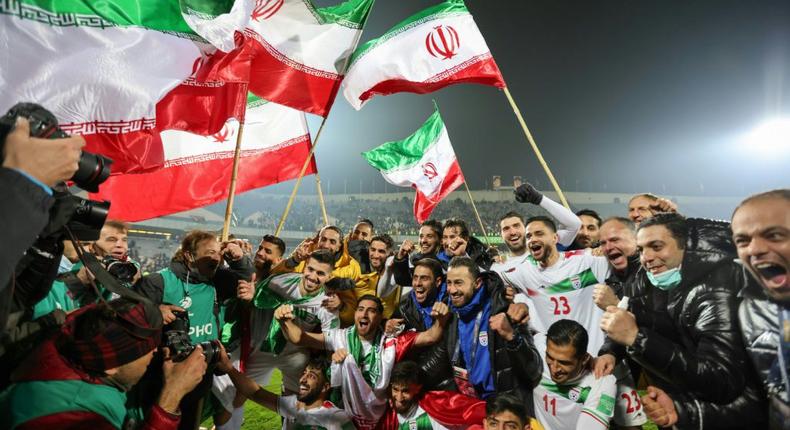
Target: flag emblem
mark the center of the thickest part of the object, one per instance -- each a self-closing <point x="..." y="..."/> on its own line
<point x="576" y="282"/>
<point x="442" y="42"/>
<point x="223" y="135"/>
<point x="264" y="9"/>
<point x="429" y="170"/>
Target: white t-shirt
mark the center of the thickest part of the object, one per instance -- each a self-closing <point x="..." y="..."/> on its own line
<point x="418" y="419"/>
<point x="327" y="417"/>
<point x="584" y="404"/>
<point x="562" y="291"/>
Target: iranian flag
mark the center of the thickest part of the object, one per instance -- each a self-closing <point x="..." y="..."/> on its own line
<point x="119" y="72"/>
<point x="425" y="161"/>
<point x="437" y="47"/>
<point x="275" y="142"/>
<point x="300" y="50"/>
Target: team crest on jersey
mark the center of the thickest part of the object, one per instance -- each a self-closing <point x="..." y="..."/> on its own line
<point x="576" y="282"/>
<point x="574" y="394"/>
<point x="186" y="302"/>
<point x="483" y="338"/>
<point x="413" y="425"/>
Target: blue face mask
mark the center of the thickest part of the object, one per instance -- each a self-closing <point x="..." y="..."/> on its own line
<point x="65" y="265"/>
<point x="665" y="280"/>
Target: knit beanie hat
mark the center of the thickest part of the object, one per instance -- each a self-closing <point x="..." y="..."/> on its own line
<point x="103" y="336"/>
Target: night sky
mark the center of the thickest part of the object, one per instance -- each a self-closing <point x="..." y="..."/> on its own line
<point x="621" y="96"/>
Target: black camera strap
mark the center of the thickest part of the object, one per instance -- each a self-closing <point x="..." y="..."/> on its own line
<point x="103" y="276"/>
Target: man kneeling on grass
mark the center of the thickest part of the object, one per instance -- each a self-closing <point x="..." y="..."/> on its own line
<point x="309" y="407"/>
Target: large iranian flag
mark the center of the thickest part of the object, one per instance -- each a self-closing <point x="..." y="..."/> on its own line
<point x="300" y="50"/>
<point x="275" y="142"/>
<point x="120" y="71"/>
<point x="425" y="161"/>
<point x="437" y="47"/>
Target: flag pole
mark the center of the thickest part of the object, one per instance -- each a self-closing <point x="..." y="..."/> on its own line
<point x="477" y="214"/>
<point x="321" y="198"/>
<point x="232" y="191"/>
<point x="535" y="148"/>
<point x="344" y="69"/>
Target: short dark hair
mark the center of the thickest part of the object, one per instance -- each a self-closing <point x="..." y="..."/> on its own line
<point x="365" y="221"/>
<point x="407" y="372"/>
<point x="512" y="214"/>
<point x="372" y="298"/>
<point x="674" y="222"/>
<point x="432" y="264"/>
<point x="457" y="222"/>
<point x="434" y="225"/>
<point x="385" y="239"/>
<point x="507" y="403"/>
<point x="548" y="222"/>
<point x="270" y="238"/>
<point x="569" y="332"/>
<point x="622" y="220"/>
<point x="782" y="193"/>
<point x="463" y="261"/>
<point x="324" y="256"/>
<point x="322" y="363"/>
<point x="590" y="213"/>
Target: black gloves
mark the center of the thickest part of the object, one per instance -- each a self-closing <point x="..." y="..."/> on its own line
<point x="526" y="193"/>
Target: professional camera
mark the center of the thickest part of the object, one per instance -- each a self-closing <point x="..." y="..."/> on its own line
<point x="93" y="169"/>
<point x="122" y="270"/>
<point x="175" y="336"/>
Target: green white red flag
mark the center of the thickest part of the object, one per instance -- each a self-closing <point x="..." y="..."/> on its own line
<point x="437" y="47"/>
<point x="119" y="72"/>
<point x="299" y="49"/>
<point x="197" y="170"/>
<point x="424" y="161"/>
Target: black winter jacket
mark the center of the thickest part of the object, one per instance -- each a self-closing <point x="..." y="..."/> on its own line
<point x="689" y="341"/>
<point x="517" y="365"/>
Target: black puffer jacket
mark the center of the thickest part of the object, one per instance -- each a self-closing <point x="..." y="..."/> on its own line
<point x="689" y="340"/>
<point x="517" y="365"/>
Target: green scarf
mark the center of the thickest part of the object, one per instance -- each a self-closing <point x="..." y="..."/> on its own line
<point x="265" y="298"/>
<point x="370" y="362"/>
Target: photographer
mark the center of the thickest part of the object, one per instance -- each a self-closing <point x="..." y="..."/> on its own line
<point x="79" y="377"/>
<point x="195" y="282"/>
<point x="31" y="166"/>
<point x="74" y="289"/>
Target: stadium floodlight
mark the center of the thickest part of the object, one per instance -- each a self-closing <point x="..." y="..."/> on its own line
<point x="772" y="137"/>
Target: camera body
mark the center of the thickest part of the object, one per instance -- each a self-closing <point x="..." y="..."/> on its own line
<point x="122" y="270"/>
<point x="175" y="336"/>
<point x="93" y="169"/>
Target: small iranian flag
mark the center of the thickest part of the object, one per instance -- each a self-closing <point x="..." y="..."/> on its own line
<point x="425" y="161"/>
<point x="197" y="171"/>
<point x="103" y="67"/>
<point x="300" y="50"/>
<point x="437" y="47"/>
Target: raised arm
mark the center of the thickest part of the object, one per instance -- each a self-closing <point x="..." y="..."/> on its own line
<point x="285" y="316"/>
<point x="441" y="315"/>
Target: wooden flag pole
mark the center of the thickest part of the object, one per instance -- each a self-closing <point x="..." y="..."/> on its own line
<point x="535" y="148"/>
<point x="477" y="214"/>
<point x="321" y="198"/>
<point x="232" y="191"/>
<point x="344" y="69"/>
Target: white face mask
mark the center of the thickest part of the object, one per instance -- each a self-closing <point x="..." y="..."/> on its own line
<point x="65" y="265"/>
<point x="665" y="280"/>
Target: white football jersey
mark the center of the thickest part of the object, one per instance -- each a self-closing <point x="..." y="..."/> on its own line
<point x="562" y="291"/>
<point x="327" y="417"/>
<point x="586" y="403"/>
